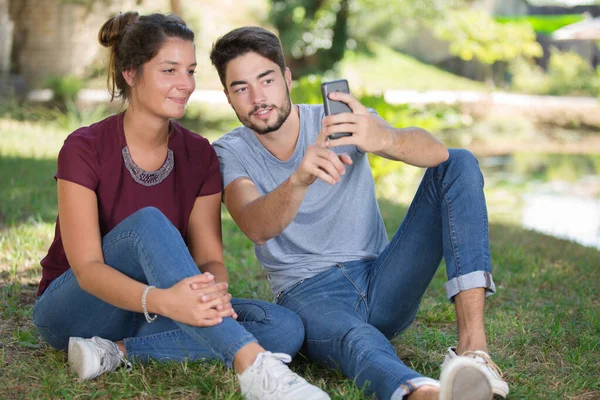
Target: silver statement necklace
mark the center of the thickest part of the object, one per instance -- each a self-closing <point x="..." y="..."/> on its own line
<point x="148" y="178"/>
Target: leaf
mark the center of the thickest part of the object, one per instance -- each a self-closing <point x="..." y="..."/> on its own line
<point x="27" y="339"/>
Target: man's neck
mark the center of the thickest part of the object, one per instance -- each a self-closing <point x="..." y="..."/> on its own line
<point x="282" y="142"/>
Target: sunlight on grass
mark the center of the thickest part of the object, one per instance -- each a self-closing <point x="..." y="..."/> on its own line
<point x="543" y="325"/>
<point x="29" y="139"/>
<point x="388" y="69"/>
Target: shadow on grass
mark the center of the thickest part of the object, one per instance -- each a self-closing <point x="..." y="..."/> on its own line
<point x="543" y="325"/>
<point x="27" y="190"/>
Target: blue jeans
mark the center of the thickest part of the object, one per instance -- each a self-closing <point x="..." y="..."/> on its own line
<point x="352" y="310"/>
<point x="148" y="248"/>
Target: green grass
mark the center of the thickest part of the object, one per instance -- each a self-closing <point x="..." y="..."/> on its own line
<point x="388" y="69"/>
<point x="545" y="24"/>
<point x="543" y="325"/>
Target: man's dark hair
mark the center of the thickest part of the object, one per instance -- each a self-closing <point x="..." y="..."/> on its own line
<point x="240" y="41"/>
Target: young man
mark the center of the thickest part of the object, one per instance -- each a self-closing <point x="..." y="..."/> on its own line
<point x="309" y="205"/>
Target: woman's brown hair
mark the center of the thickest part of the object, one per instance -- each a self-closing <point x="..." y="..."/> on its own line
<point x="135" y="39"/>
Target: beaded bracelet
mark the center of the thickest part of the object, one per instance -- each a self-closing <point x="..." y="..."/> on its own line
<point x="149" y="319"/>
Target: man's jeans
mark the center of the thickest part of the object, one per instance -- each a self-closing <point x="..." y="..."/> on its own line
<point x="352" y="310"/>
<point x="149" y="249"/>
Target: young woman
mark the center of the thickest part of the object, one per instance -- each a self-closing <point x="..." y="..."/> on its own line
<point x="136" y="266"/>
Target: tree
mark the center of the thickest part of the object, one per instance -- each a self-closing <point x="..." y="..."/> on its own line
<point x="475" y="35"/>
<point x="176" y="8"/>
<point x="314" y="33"/>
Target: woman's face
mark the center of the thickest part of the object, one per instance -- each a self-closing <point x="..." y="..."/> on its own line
<point x="166" y="82"/>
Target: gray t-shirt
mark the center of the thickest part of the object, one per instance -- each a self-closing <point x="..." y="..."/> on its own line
<point x="335" y="223"/>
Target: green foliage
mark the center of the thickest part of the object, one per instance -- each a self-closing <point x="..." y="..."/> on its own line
<point x="475" y="35"/>
<point x="545" y="24"/>
<point x="307" y="90"/>
<point x="314" y="33"/>
<point x="568" y="74"/>
<point x="528" y="77"/>
<point x="65" y="88"/>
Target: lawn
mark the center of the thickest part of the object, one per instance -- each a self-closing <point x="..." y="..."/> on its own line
<point x="387" y="69"/>
<point x="543" y="325"/>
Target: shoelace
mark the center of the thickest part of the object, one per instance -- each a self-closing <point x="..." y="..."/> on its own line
<point x="108" y="353"/>
<point x="279" y="375"/>
<point x="486" y="358"/>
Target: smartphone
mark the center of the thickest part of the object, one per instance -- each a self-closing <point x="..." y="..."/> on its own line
<point x="333" y="107"/>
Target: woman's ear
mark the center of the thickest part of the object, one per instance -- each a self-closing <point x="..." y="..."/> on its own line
<point x="129" y="76"/>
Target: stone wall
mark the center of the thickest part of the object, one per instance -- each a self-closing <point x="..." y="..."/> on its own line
<point x="54" y="37"/>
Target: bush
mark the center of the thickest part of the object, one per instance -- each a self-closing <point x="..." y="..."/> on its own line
<point x="528" y="77"/>
<point x="568" y="75"/>
<point x="65" y="88"/>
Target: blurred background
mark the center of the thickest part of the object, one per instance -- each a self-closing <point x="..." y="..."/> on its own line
<point x="516" y="82"/>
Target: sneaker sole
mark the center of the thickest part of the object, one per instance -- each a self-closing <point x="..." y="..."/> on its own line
<point x="79" y="351"/>
<point x="467" y="381"/>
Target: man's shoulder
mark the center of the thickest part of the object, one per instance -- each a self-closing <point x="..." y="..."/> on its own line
<point x="315" y="111"/>
<point x="235" y="139"/>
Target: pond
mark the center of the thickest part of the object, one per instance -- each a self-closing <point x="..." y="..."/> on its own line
<point x="556" y="194"/>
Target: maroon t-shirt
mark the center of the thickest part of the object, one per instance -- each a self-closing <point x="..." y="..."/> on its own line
<point x="91" y="157"/>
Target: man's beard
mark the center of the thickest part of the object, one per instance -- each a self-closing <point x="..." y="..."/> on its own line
<point x="264" y="128"/>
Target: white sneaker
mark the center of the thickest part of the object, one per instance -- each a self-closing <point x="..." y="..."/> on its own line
<point x="89" y="358"/>
<point x="486" y="365"/>
<point x="462" y="379"/>
<point x="270" y="379"/>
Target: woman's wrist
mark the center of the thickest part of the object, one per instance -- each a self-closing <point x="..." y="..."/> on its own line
<point x="154" y="301"/>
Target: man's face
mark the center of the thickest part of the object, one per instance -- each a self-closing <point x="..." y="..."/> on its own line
<point x="258" y="92"/>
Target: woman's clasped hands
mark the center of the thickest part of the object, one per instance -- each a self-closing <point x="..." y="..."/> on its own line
<point x="197" y="301"/>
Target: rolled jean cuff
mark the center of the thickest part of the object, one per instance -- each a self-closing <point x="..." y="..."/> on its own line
<point x="472" y="280"/>
<point x="411" y="385"/>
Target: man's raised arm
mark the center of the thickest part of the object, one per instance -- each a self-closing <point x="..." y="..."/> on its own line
<point x="263" y="217"/>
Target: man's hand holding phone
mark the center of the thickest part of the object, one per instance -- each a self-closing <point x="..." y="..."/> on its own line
<point x="367" y="131"/>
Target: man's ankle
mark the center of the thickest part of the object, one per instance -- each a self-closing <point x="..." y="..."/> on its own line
<point x="425" y="392"/>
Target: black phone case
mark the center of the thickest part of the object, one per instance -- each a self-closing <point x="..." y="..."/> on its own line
<point x="333" y="107"/>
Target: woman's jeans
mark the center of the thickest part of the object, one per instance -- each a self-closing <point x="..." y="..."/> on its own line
<point x="352" y="310"/>
<point x="149" y="249"/>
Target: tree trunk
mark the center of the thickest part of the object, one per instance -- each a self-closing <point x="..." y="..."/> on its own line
<point x="175" y="8"/>
<point x="6" y="34"/>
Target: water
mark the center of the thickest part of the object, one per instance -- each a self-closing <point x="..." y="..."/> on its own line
<point x="556" y="194"/>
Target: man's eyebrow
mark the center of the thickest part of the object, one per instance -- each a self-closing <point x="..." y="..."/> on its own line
<point x="261" y="75"/>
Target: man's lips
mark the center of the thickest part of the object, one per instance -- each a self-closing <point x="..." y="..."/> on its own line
<point x="263" y="112"/>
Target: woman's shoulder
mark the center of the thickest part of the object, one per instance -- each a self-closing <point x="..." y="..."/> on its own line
<point x="190" y="139"/>
<point x="94" y="134"/>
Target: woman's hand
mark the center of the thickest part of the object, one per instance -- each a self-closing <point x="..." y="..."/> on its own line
<point x="196" y="301"/>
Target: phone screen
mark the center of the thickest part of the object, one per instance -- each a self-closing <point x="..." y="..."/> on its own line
<point x="333" y="107"/>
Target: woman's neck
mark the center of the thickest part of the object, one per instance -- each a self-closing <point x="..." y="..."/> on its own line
<point x="145" y="132"/>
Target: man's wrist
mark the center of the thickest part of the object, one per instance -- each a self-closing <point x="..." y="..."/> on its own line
<point x="295" y="182"/>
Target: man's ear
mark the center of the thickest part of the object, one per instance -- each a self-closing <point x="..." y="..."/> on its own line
<point x="129" y="76"/>
<point x="227" y="95"/>
<point x="288" y="78"/>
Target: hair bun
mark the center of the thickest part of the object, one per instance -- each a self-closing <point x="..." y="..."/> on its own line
<point x="114" y="28"/>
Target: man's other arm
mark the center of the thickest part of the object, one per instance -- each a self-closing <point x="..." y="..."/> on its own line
<point x="263" y="217"/>
<point x="372" y="134"/>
